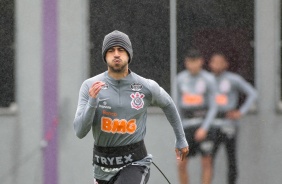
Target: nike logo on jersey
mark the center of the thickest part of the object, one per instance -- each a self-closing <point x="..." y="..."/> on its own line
<point x="103" y="99"/>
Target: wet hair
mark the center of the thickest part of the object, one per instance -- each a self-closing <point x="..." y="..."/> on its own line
<point x="193" y="54"/>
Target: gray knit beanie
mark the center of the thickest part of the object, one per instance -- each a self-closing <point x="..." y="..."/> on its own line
<point x="117" y="38"/>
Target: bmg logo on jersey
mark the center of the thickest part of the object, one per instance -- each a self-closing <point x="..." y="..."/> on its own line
<point x="121" y="126"/>
<point x="137" y="100"/>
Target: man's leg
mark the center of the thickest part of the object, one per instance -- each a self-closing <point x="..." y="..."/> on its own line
<point x="132" y="174"/>
<point x="183" y="171"/>
<point x="193" y="149"/>
<point x="96" y="181"/>
<point x="208" y="149"/>
<point x="232" y="159"/>
<point x="207" y="169"/>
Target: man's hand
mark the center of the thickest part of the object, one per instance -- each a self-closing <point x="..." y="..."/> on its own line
<point x="234" y="115"/>
<point x="95" y="89"/>
<point x="181" y="153"/>
<point x="200" y="134"/>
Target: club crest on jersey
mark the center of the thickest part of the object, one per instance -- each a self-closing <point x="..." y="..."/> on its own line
<point x="225" y="86"/>
<point x="136" y="86"/>
<point x="201" y="86"/>
<point x="137" y="100"/>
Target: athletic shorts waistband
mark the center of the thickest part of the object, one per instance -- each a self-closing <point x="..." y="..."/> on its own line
<point x="114" y="157"/>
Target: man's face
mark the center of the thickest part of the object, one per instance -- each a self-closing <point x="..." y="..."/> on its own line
<point x="117" y="59"/>
<point x="194" y="65"/>
<point x="218" y="64"/>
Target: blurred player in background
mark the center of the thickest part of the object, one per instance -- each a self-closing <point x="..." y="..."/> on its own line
<point x="229" y="85"/>
<point x="196" y="93"/>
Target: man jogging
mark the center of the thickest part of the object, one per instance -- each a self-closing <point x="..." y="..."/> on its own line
<point x="114" y="104"/>
<point x="229" y="86"/>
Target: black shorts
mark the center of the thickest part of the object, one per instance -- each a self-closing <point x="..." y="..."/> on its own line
<point x="229" y="140"/>
<point x="131" y="174"/>
<point x="205" y="147"/>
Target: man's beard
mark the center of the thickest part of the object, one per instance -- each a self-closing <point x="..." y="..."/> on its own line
<point x="119" y="69"/>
